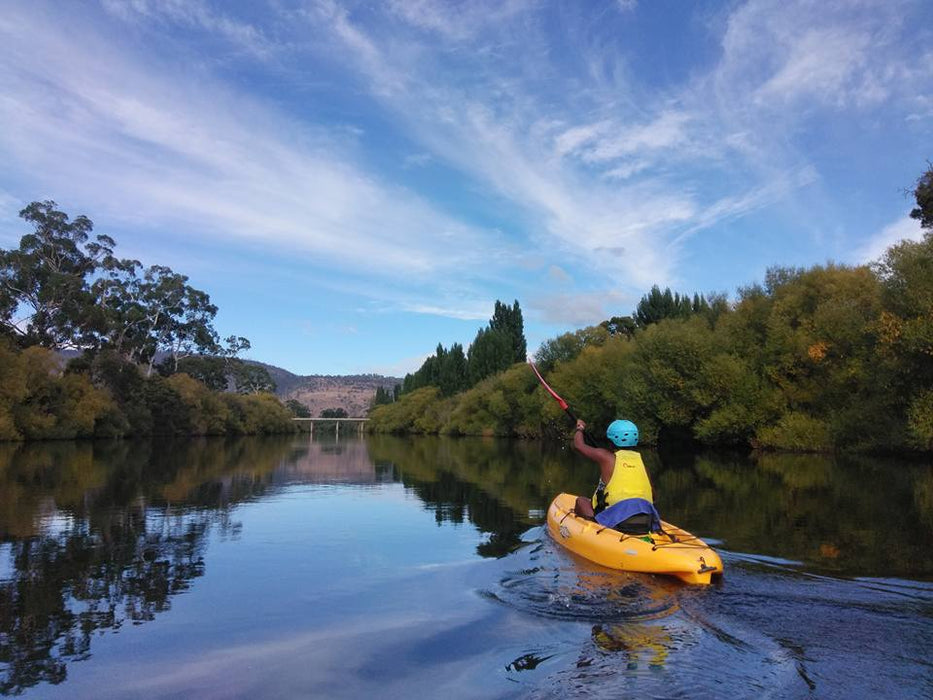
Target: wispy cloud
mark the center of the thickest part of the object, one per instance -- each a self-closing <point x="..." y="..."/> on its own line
<point x="189" y="151"/>
<point x="194" y="14"/>
<point x="457" y="21"/>
<point x="575" y="159"/>
<point x="476" y="312"/>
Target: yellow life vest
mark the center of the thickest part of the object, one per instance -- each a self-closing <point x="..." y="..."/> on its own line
<point x="629" y="480"/>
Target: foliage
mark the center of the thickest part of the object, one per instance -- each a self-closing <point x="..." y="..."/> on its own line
<point x="923" y="193"/>
<point x="446" y="369"/>
<point x="491" y="352"/>
<point x="620" y="325"/>
<point x="298" y="409"/>
<point x="46" y="279"/>
<point x="506" y="404"/>
<point x="250" y="378"/>
<point x="382" y="397"/>
<point x="795" y="432"/>
<point x="828" y="357"/>
<point x="657" y="305"/>
<point x="334" y="413"/>
<point x="568" y="346"/>
<point x="496" y="347"/>
<point x="508" y="320"/>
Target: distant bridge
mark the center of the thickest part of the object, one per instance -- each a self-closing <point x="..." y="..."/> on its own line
<point x="338" y="421"/>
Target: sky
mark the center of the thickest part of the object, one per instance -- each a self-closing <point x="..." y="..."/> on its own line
<point x="356" y="182"/>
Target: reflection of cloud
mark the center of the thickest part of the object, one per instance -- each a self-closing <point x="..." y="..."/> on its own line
<point x="329" y="656"/>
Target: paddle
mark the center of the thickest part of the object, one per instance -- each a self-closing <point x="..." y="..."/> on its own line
<point x="587" y="438"/>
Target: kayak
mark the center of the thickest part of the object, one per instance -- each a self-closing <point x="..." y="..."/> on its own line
<point x="673" y="552"/>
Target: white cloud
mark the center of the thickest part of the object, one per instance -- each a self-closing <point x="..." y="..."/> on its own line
<point x="792" y="56"/>
<point x="872" y="249"/>
<point x="820" y="64"/>
<point x="171" y="148"/>
<point x="666" y="131"/>
<point x="399" y="368"/>
<point x="477" y="311"/>
<point x="580" y="309"/>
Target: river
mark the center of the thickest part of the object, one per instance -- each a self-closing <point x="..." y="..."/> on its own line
<point x="419" y="567"/>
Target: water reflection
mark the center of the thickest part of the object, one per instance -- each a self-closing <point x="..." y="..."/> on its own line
<point x="95" y="536"/>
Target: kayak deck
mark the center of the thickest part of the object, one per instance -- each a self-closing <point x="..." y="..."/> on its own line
<point x="675" y="552"/>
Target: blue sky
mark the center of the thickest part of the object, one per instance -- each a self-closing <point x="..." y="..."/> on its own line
<point x="354" y="182"/>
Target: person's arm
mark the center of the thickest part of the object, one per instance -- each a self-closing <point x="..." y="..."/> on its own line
<point x="604" y="458"/>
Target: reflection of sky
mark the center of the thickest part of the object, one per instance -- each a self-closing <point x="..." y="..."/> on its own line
<point x="6" y="561"/>
<point x="314" y="570"/>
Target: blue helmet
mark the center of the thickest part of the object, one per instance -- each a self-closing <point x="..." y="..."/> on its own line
<point x="624" y="433"/>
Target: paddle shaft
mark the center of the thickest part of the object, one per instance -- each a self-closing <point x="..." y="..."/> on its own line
<point x="564" y="405"/>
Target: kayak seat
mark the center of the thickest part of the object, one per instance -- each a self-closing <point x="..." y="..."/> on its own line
<point x="638" y="524"/>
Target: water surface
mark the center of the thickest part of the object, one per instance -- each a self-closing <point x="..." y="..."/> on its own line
<point x="402" y="566"/>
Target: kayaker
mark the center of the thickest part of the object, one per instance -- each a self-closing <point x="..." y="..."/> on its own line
<point x="623" y="499"/>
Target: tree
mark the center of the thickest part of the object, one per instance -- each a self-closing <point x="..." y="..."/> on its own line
<point x="492" y="351"/>
<point x="923" y="193"/>
<point x="452" y="376"/>
<point x="657" y="306"/>
<point x="139" y="316"/>
<point x="509" y="321"/>
<point x="177" y="317"/>
<point x="46" y="279"/>
<point x="381" y="398"/>
<point x="620" y="325"/>
<point x="567" y="346"/>
<point x="298" y="409"/>
<point x="250" y="378"/>
<point x="334" y="413"/>
<point x="213" y="372"/>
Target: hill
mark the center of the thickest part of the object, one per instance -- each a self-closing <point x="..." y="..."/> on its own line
<point x="353" y="393"/>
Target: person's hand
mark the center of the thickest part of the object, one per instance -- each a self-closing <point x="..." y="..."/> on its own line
<point x="580" y="425"/>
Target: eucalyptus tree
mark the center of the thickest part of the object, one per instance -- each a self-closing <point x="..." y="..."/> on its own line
<point x="251" y="378"/>
<point x="45" y="295"/>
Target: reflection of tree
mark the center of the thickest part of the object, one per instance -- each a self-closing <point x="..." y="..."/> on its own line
<point x="75" y="583"/>
<point x="636" y="642"/>
<point x="131" y="534"/>
<point x="492" y="483"/>
<point x="844" y="514"/>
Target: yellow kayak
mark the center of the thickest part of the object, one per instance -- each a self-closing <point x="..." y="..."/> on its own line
<point x="674" y="552"/>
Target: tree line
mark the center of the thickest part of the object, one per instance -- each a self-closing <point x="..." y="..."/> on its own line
<point x="821" y="358"/>
<point x="497" y="346"/>
<point x="146" y="358"/>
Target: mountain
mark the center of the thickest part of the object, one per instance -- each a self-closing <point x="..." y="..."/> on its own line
<point x="353" y="393"/>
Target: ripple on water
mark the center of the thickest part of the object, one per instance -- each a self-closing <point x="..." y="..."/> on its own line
<point x="642" y="634"/>
<point x="544" y="580"/>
